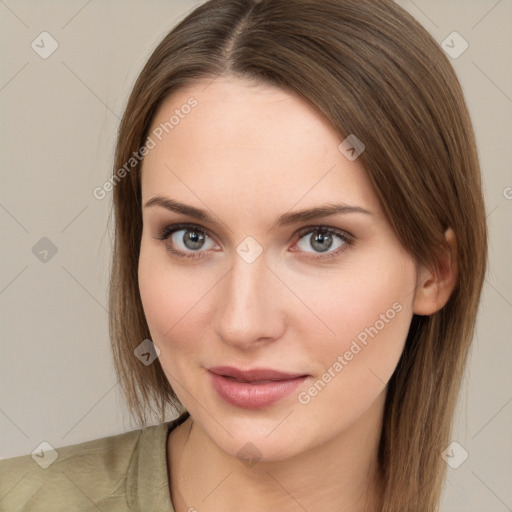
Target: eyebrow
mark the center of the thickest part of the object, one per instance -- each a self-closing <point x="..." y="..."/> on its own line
<point x="284" y="220"/>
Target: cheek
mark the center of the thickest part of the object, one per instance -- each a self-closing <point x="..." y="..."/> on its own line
<point x="370" y="315"/>
<point x="155" y="291"/>
<point x="173" y="298"/>
<point x="368" y="311"/>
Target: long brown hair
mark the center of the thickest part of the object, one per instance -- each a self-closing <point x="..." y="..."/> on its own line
<point x="375" y="72"/>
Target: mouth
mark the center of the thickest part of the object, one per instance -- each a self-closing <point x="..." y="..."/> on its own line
<point x="255" y="388"/>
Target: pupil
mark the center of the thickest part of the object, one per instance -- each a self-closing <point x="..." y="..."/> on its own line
<point x="320" y="239"/>
<point x="194" y="238"/>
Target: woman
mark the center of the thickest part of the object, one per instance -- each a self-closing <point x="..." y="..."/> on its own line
<point x="300" y="246"/>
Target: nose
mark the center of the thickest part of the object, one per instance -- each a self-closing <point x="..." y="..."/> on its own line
<point x="250" y="310"/>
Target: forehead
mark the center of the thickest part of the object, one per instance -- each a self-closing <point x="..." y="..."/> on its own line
<point x="252" y="141"/>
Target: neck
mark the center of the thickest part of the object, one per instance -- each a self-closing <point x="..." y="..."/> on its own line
<point x="341" y="474"/>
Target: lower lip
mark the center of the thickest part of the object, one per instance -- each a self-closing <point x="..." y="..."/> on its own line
<point x="254" y="396"/>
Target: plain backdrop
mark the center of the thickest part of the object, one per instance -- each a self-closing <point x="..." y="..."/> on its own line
<point x="60" y="116"/>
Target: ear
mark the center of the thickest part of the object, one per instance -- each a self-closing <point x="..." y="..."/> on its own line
<point x="434" y="287"/>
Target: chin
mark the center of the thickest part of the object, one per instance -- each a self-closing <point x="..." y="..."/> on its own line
<point x="258" y="449"/>
<point x="263" y="439"/>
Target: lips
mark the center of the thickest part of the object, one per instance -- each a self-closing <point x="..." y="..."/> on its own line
<point x="253" y="389"/>
<point x="253" y="376"/>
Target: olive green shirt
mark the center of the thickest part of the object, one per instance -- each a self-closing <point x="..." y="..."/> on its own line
<point x="118" y="473"/>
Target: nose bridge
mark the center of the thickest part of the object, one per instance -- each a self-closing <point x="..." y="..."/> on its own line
<point x="246" y="310"/>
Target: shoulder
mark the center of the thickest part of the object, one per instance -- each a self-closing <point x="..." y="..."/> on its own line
<point x="80" y="476"/>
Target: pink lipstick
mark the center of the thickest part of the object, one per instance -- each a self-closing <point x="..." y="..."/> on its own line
<point x="253" y="389"/>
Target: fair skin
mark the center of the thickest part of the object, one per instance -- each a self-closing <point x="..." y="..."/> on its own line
<point x="248" y="154"/>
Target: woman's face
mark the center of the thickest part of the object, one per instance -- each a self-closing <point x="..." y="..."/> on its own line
<point x="324" y="301"/>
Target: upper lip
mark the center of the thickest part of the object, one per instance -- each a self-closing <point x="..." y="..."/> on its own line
<point x="255" y="374"/>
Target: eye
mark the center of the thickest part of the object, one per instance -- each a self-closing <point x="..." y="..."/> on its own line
<point x="186" y="240"/>
<point x="322" y="240"/>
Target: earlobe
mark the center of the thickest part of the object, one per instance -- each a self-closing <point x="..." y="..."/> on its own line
<point x="434" y="287"/>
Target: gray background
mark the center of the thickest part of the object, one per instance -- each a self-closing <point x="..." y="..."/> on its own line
<point x="59" y="120"/>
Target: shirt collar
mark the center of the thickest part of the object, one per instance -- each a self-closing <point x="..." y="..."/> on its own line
<point x="147" y="480"/>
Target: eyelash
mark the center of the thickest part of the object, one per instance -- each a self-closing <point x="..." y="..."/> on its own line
<point x="347" y="239"/>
